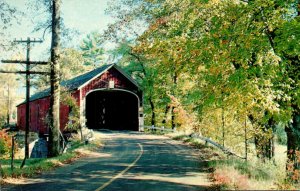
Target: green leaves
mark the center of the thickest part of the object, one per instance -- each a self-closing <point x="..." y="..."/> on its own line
<point x="92" y="50"/>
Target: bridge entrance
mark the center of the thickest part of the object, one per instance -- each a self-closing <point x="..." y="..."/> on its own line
<point x="112" y="109"/>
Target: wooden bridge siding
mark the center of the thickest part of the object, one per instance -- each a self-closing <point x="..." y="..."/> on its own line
<point x="21" y="116"/>
<point x="38" y="113"/>
<point x="44" y="104"/>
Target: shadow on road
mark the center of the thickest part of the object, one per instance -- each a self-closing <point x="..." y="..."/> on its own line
<point x="162" y="166"/>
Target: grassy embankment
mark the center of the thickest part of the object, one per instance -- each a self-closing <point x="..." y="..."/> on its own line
<point x="35" y="166"/>
<point x="154" y="131"/>
<point x="233" y="173"/>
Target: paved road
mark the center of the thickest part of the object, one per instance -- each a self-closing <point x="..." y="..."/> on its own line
<point x="128" y="161"/>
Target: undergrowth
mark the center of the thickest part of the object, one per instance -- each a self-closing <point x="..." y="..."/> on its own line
<point x="153" y="131"/>
<point x="229" y="173"/>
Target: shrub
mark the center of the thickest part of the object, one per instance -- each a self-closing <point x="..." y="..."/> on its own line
<point x="5" y="143"/>
<point x="230" y="178"/>
<point x="74" y="115"/>
<point x="281" y="135"/>
<point x="2" y="122"/>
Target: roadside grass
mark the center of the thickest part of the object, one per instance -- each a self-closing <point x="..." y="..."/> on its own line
<point x="231" y="173"/>
<point x="254" y="174"/>
<point x="240" y="174"/>
<point x="208" y="153"/>
<point x="154" y="132"/>
<point x="36" y="166"/>
<point x="196" y="143"/>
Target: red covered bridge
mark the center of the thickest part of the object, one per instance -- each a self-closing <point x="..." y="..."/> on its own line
<point x="107" y="96"/>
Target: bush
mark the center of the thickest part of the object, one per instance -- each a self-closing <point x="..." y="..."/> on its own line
<point x="281" y="135"/>
<point x="74" y="115"/>
<point x="5" y="143"/>
<point x="3" y="147"/>
<point x="230" y="178"/>
<point x="2" y="122"/>
<point x="252" y="174"/>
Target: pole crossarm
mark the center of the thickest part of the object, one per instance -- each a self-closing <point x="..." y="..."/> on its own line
<point x="24" y="62"/>
<point x="25" y="72"/>
<point x="28" y="40"/>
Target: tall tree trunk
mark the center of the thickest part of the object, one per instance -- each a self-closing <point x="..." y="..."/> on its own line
<point x="164" y="121"/>
<point x="271" y="145"/>
<point x="293" y="128"/>
<point x="246" y="139"/>
<point x="293" y="140"/>
<point x="54" y="133"/>
<point x="298" y="10"/>
<point x="173" y="117"/>
<point x="223" y="127"/>
<point x="153" y="112"/>
<point x="8" y="105"/>
<point x="173" y="107"/>
<point x="264" y="141"/>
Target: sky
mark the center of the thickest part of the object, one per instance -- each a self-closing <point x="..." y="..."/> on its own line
<point x="85" y="16"/>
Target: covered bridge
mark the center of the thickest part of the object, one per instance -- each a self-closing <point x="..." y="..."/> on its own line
<point x="108" y="99"/>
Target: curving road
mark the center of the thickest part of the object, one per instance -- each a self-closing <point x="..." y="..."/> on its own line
<point x="129" y="161"/>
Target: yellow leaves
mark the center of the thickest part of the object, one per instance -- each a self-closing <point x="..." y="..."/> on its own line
<point x="215" y="2"/>
<point x="202" y="68"/>
<point x="271" y="58"/>
<point x="184" y="118"/>
<point x="212" y="4"/>
<point x="267" y="58"/>
<point x="259" y="60"/>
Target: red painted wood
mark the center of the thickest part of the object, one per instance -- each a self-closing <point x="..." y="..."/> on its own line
<point x="121" y="82"/>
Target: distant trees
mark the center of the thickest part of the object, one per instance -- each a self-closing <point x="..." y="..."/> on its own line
<point x="8" y="96"/>
<point x="72" y="63"/>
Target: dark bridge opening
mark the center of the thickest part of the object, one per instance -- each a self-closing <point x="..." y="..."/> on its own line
<point x="115" y="110"/>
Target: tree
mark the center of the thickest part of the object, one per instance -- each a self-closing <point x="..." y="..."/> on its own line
<point x="135" y="64"/>
<point x="229" y="50"/>
<point x="41" y="14"/>
<point x="55" y="81"/>
<point x="92" y="50"/>
<point x="71" y="64"/>
<point x="8" y="95"/>
<point x="286" y="43"/>
<point x="7" y="15"/>
<point x="53" y="21"/>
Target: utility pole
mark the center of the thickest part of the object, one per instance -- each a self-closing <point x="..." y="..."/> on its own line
<point x="8" y="104"/>
<point x="27" y="72"/>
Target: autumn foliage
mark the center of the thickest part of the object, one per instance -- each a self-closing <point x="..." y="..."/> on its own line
<point x="5" y="143"/>
<point x="231" y="178"/>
